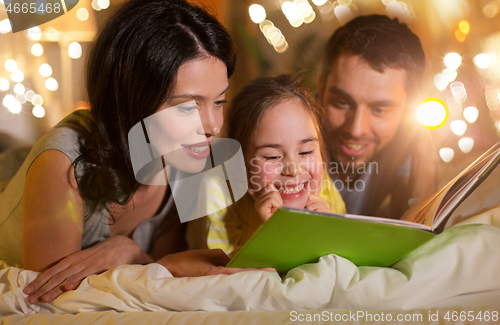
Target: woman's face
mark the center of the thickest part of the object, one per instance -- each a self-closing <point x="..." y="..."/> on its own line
<point x="183" y="126"/>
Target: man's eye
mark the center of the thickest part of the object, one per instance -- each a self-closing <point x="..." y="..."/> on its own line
<point x="340" y="103"/>
<point x="379" y="110"/>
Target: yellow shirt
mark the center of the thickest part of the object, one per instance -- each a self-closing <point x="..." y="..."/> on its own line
<point x="233" y="224"/>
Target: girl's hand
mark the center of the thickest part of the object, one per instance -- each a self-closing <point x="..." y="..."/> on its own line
<point x="200" y="262"/>
<point x="315" y="203"/>
<point x="267" y="201"/>
<point x="68" y="273"/>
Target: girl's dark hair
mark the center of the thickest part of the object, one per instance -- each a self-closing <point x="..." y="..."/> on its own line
<point x="262" y="94"/>
<point x="131" y="72"/>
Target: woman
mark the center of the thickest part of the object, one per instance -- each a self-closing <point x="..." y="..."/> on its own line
<point x="81" y="204"/>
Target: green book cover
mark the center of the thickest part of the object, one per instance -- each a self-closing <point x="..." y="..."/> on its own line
<point x="294" y="237"/>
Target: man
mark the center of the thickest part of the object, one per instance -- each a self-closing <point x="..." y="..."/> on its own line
<point x="382" y="161"/>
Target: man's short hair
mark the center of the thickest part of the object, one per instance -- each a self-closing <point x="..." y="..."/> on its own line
<point x="381" y="42"/>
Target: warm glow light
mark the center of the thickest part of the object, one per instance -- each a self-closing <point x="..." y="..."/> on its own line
<point x="38" y="111"/>
<point x="446" y="154"/>
<point x="319" y="2"/>
<point x="282" y="47"/>
<point x="45" y="70"/>
<point x="82" y="14"/>
<point x="460" y="36"/>
<point x="103" y="4"/>
<point x="482" y="61"/>
<point x="471" y="114"/>
<point x="51" y="84"/>
<point x="21" y="98"/>
<point x="498" y="125"/>
<point x="292" y="13"/>
<point x="75" y="50"/>
<point x="450" y="74"/>
<point x="17" y="76"/>
<point x="343" y="14"/>
<point x="52" y="34"/>
<point x="37" y="100"/>
<point x="452" y="60"/>
<point x="458" y="127"/>
<point x="10" y="65"/>
<point x="490" y="10"/>
<point x="464" y="26"/>
<point x="441" y="81"/>
<point x="95" y="5"/>
<point x="15" y="107"/>
<point x="4" y="84"/>
<point x="257" y="13"/>
<point x="34" y="33"/>
<point x="29" y="95"/>
<point x="5" y="26"/>
<point x="37" y="49"/>
<point x="466" y="144"/>
<point x="19" y="89"/>
<point x="432" y="113"/>
<point x="8" y="100"/>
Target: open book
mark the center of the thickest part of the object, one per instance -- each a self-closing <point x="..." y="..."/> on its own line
<point x="293" y="237"/>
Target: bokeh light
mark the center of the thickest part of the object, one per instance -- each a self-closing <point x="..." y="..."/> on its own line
<point x="75" y="50"/>
<point x="17" y="76"/>
<point x="19" y="89"/>
<point x="52" y="34"/>
<point x="257" y="13"/>
<point x="432" y="113"/>
<point x="37" y="49"/>
<point x="464" y="26"/>
<point x="34" y="33"/>
<point x="5" y="26"/>
<point x="4" y="84"/>
<point x="82" y="14"/>
<point x="45" y="70"/>
<point x="441" y="81"/>
<point x="453" y="60"/>
<point x="458" y="127"/>
<point x="471" y="114"/>
<point x="446" y="154"/>
<point x="38" y="111"/>
<point x="51" y="84"/>
<point x="466" y="144"/>
<point x="482" y="61"/>
<point x="10" y="65"/>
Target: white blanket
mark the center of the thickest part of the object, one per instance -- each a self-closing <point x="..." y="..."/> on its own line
<point x="460" y="267"/>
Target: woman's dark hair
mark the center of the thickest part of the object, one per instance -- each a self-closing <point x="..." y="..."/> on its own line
<point x="131" y="72"/>
<point x="262" y="94"/>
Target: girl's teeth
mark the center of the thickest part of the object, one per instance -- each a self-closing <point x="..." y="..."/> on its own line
<point x="198" y="149"/>
<point x="297" y="189"/>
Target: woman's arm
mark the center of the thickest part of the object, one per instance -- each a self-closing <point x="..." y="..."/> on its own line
<point x="52" y="229"/>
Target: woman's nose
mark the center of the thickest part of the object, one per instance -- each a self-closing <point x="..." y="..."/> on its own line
<point x="211" y="121"/>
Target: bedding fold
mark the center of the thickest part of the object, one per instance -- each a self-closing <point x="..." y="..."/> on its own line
<point x="463" y="262"/>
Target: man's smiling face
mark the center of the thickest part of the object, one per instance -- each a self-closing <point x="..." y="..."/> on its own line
<point x="363" y="107"/>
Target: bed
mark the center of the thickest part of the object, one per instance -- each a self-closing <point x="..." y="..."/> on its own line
<point x="456" y="274"/>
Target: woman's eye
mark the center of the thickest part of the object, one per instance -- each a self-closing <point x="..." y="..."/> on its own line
<point x="186" y="109"/>
<point x="305" y="153"/>
<point x="271" y="157"/>
<point x="220" y="102"/>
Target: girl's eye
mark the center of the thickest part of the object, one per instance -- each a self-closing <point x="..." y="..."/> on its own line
<point x="305" y="153"/>
<point x="220" y="102"/>
<point x="271" y="157"/>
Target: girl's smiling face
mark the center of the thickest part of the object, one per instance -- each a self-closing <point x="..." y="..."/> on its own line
<point x="284" y="151"/>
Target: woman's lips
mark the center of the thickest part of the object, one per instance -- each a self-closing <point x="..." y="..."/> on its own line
<point x="199" y="150"/>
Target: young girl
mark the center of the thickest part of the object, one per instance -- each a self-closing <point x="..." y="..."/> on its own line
<point x="277" y="122"/>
